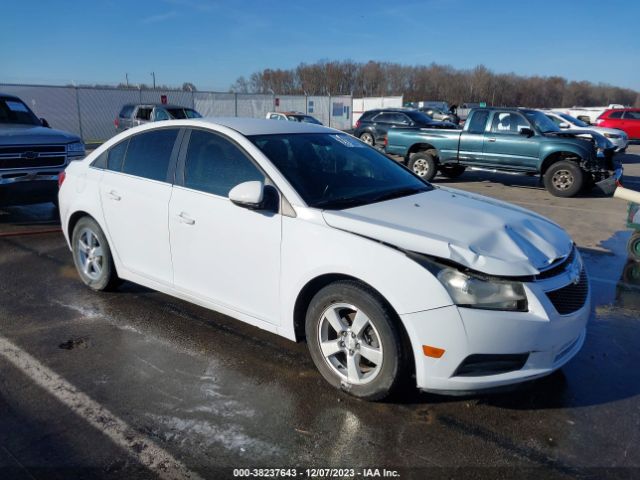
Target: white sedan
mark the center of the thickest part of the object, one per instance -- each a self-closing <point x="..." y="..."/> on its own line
<point x="566" y="122"/>
<point x="308" y="233"/>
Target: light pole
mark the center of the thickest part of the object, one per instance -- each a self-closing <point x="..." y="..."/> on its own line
<point x="153" y="74"/>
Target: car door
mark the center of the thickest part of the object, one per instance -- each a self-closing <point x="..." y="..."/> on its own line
<point x="134" y="191"/>
<point x="381" y="124"/>
<point x="631" y="123"/>
<point x="471" y="146"/>
<point x="221" y="252"/>
<point x="505" y="146"/>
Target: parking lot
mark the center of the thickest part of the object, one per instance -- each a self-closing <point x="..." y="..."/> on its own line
<point x="141" y="384"/>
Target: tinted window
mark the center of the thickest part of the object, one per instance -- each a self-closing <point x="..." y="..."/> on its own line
<point x="617" y="114"/>
<point x="478" y="122"/>
<point x="126" y="111"/>
<point x="160" y="114"/>
<point x="384" y="118"/>
<point x="101" y="161"/>
<point x="631" y="115"/>
<point x="149" y="154"/>
<point x="143" y="113"/>
<point x="116" y="156"/>
<point x="216" y="165"/>
<point x="13" y="110"/>
<point x="337" y="171"/>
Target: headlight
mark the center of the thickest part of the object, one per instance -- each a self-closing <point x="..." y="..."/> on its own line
<point x="76" y="148"/>
<point x="473" y="291"/>
<point x="611" y="135"/>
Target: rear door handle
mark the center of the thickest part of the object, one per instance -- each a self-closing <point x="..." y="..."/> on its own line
<point x="114" y="196"/>
<point x="492" y="139"/>
<point x="184" y="218"/>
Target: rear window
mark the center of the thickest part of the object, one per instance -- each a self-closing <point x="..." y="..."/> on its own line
<point x="126" y="111"/>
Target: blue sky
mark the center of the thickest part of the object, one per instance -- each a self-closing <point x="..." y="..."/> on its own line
<point x="212" y="42"/>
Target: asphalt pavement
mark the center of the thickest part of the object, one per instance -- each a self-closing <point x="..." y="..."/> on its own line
<point x="137" y="384"/>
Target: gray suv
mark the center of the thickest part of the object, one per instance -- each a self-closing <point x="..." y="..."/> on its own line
<point x="132" y="115"/>
<point x="31" y="154"/>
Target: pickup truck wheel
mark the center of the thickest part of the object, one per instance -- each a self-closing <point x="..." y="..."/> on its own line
<point x="633" y="247"/>
<point x="367" y="138"/>
<point x="452" y="171"/>
<point x="564" y="179"/>
<point x="424" y="164"/>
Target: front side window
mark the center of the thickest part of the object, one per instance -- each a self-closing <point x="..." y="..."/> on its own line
<point x="631" y="115"/>
<point x="149" y="154"/>
<point x="335" y="171"/>
<point x="216" y="165"/>
<point x="509" y="122"/>
<point x="160" y="114"/>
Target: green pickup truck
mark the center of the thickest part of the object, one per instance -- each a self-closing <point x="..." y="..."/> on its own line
<point x="513" y="140"/>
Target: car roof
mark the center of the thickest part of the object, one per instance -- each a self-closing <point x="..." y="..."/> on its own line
<point x="259" y="126"/>
<point x="163" y="105"/>
<point x="6" y="95"/>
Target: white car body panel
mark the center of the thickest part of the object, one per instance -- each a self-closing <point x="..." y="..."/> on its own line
<point x="264" y="261"/>
<point x="620" y="143"/>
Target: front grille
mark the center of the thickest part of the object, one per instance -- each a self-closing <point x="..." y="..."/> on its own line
<point x="32" y="156"/>
<point x="7" y="163"/>
<point x="571" y="298"/>
<point x="479" y="365"/>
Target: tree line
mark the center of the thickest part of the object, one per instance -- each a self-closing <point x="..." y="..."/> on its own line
<point x="432" y="82"/>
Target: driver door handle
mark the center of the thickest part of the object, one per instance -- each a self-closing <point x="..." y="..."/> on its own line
<point x="492" y="139"/>
<point x="184" y="218"/>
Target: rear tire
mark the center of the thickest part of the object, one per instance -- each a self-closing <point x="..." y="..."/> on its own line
<point x="424" y="164"/>
<point x="92" y="256"/>
<point x="354" y="341"/>
<point x="564" y="179"/>
<point x="452" y="171"/>
<point x="367" y="138"/>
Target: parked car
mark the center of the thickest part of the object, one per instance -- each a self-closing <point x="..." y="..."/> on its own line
<point x="293" y="117"/>
<point x="627" y="120"/>
<point x="512" y="140"/>
<point x="132" y="115"/>
<point x="440" y="115"/>
<point x="566" y="122"/>
<point x="373" y="125"/>
<point x="462" y="291"/>
<point x="31" y="154"/>
<point x="586" y="114"/>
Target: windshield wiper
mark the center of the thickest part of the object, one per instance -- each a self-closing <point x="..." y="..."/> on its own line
<point x="341" y="202"/>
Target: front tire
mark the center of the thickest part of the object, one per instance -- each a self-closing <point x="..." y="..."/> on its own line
<point x="424" y="164"/>
<point x="92" y="256"/>
<point x="354" y="341"/>
<point x="564" y="179"/>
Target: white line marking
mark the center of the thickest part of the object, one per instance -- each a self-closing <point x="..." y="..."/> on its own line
<point x="144" y="450"/>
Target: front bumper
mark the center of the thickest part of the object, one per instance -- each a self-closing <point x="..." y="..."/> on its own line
<point x="548" y="339"/>
<point x="28" y="188"/>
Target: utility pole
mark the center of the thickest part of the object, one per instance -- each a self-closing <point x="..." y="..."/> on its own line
<point x="153" y="74"/>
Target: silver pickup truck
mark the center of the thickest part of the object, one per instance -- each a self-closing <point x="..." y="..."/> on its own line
<point x="31" y="154"/>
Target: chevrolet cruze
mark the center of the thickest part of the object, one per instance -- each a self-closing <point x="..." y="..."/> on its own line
<point x="309" y="233"/>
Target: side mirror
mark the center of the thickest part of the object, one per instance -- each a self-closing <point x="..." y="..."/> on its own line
<point x="564" y="125"/>
<point x="248" y="195"/>
<point x="45" y="123"/>
<point x="527" y="132"/>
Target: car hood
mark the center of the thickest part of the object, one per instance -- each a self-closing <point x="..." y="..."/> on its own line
<point x="477" y="232"/>
<point x="33" y="135"/>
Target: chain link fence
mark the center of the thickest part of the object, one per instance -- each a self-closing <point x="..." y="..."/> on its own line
<point x="90" y="112"/>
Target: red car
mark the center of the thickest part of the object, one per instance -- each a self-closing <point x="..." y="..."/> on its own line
<point x="625" y="119"/>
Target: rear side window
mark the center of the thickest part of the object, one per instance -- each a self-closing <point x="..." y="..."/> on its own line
<point x="384" y="118"/>
<point x="101" y="161"/>
<point x="216" y="165"/>
<point x="149" y="154"/>
<point x="144" y="113"/>
<point x="116" y="155"/>
<point x="478" y="122"/>
<point x="617" y="114"/>
<point x="126" y="111"/>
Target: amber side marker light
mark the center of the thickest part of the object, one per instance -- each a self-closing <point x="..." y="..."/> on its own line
<point x="434" y="352"/>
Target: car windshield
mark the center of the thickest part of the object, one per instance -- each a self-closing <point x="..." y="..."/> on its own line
<point x="337" y="171"/>
<point x="15" y="111"/>
<point x="576" y="121"/>
<point x="541" y="121"/>
<point x="181" y="113"/>
<point x="419" y="117"/>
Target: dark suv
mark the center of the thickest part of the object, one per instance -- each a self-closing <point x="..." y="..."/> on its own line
<point x="373" y="125"/>
<point x="132" y="115"/>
